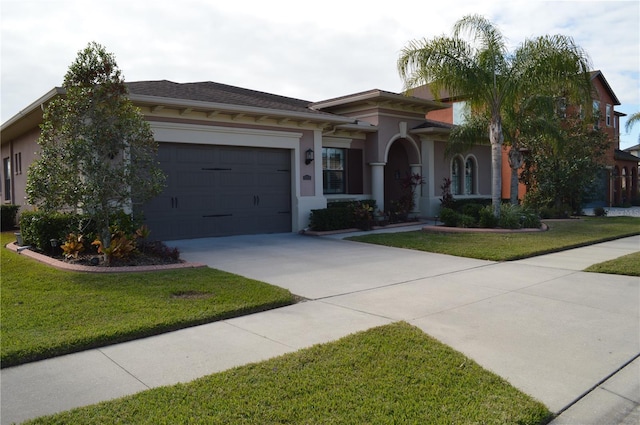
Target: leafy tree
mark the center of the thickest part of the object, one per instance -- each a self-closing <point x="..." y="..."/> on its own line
<point x="561" y="169"/>
<point x="488" y="77"/>
<point x="97" y="153"/>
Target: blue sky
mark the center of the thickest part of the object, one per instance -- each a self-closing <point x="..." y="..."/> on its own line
<point x="311" y="51"/>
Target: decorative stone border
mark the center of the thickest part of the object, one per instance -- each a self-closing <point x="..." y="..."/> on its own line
<point x="444" y="229"/>
<point x="61" y="265"/>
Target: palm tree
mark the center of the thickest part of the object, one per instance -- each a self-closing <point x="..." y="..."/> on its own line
<point x="491" y="79"/>
<point x="633" y="119"/>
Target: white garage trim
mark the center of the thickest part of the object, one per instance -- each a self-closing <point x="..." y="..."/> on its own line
<point x="231" y="136"/>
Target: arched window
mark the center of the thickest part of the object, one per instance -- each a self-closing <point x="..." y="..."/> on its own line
<point x="469" y="176"/>
<point x="457" y="182"/>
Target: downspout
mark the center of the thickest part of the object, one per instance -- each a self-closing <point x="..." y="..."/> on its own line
<point x="12" y="174"/>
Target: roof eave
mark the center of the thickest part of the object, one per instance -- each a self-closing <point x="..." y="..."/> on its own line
<point x="28" y="117"/>
<point x="236" y="109"/>
<point x="378" y="95"/>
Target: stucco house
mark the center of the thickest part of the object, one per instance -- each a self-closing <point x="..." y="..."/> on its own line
<point x="241" y="161"/>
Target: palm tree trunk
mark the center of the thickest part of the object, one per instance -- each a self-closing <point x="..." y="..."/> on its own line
<point x="515" y="162"/>
<point x="496" y="137"/>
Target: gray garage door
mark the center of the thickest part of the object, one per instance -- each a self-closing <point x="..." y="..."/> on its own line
<point x="221" y="191"/>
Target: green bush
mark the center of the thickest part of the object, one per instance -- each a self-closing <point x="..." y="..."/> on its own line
<point x="342" y="215"/>
<point x="449" y="217"/>
<point x="599" y="212"/>
<point x="466" y="221"/>
<point x="509" y="216"/>
<point x="517" y="217"/>
<point x="487" y="219"/>
<point x="472" y="209"/>
<point x="8" y="213"/>
<point x="38" y="228"/>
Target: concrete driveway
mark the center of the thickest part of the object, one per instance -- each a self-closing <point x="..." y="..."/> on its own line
<point x="551" y="330"/>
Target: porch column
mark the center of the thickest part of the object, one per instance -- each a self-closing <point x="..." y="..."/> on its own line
<point x="416" y="169"/>
<point x="377" y="183"/>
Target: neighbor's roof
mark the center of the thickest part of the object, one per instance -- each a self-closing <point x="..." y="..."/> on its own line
<point x="625" y="156"/>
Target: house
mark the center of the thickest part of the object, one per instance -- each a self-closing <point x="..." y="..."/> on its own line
<point x="617" y="186"/>
<point x="241" y="161"/>
<point x="635" y="151"/>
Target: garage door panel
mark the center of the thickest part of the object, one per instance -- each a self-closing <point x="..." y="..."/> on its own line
<point x="221" y="191"/>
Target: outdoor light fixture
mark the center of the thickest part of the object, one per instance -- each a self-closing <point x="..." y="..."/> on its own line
<point x="54" y="244"/>
<point x="308" y="156"/>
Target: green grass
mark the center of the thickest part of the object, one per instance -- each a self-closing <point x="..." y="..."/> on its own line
<point x="628" y="265"/>
<point x="393" y="374"/>
<point x="46" y="312"/>
<point x="512" y="246"/>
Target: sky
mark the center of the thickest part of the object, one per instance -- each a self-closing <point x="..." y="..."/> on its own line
<point x="306" y="50"/>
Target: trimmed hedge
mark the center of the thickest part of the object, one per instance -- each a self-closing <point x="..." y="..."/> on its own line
<point x="9" y="214"/>
<point x="339" y="215"/>
<point x="477" y="215"/>
<point x="38" y="228"/>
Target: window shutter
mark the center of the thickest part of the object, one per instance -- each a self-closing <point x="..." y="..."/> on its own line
<point x="354" y="171"/>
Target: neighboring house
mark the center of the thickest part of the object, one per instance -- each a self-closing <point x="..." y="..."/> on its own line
<point x="618" y="185"/>
<point x="635" y="151"/>
<point x="241" y="161"/>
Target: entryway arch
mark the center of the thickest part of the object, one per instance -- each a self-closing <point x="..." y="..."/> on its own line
<point x="402" y="159"/>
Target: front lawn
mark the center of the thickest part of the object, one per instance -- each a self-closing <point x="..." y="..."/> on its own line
<point x="561" y="235"/>
<point x="391" y="374"/>
<point x="628" y="265"/>
<point x="47" y="312"/>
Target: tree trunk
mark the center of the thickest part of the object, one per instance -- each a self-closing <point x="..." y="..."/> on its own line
<point x="496" y="137"/>
<point x="515" y="162"/>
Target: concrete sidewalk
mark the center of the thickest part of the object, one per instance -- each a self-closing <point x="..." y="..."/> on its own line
<point x="552" y="331"/>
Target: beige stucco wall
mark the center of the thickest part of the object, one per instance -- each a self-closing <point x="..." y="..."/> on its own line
<point x="26" y="147"/>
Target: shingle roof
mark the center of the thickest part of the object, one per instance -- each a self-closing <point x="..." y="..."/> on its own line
<point x="218" y="93"/>
<point x="625" y="156"/>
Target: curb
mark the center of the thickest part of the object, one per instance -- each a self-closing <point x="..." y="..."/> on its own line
<point x="444" y="229"/>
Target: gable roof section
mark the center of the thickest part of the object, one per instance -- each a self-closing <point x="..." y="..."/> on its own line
<point x="379" y="98"/>
<point x="605" y="84"/>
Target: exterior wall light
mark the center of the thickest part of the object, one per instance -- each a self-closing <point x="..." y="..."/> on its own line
<point x="308" y="156"/>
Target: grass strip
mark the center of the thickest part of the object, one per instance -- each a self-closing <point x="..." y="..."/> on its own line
<point x="565" y="234"/>
<point x="394" y="374"/>
<point x="628" y="265"/>
<point x="46" y="312"/>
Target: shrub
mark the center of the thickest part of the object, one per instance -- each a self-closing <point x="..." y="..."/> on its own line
<point x="39" y="228"/>
<point x="447" y="200"/>
<point x="530" y="219"/>
<point x="465" y="220"/>
<point x="509" y="216"/>
<point x="449" y="217"/>
<point x="160" y="250"/>
<point x="343" y="215"/>
<point x="8" y="213"/>
<point x="472" y="209"/>
<point x="487" y="219"/>
<point x="599" y="212"/>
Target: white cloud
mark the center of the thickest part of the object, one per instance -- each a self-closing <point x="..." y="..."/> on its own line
<point x="312" y="51"/>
